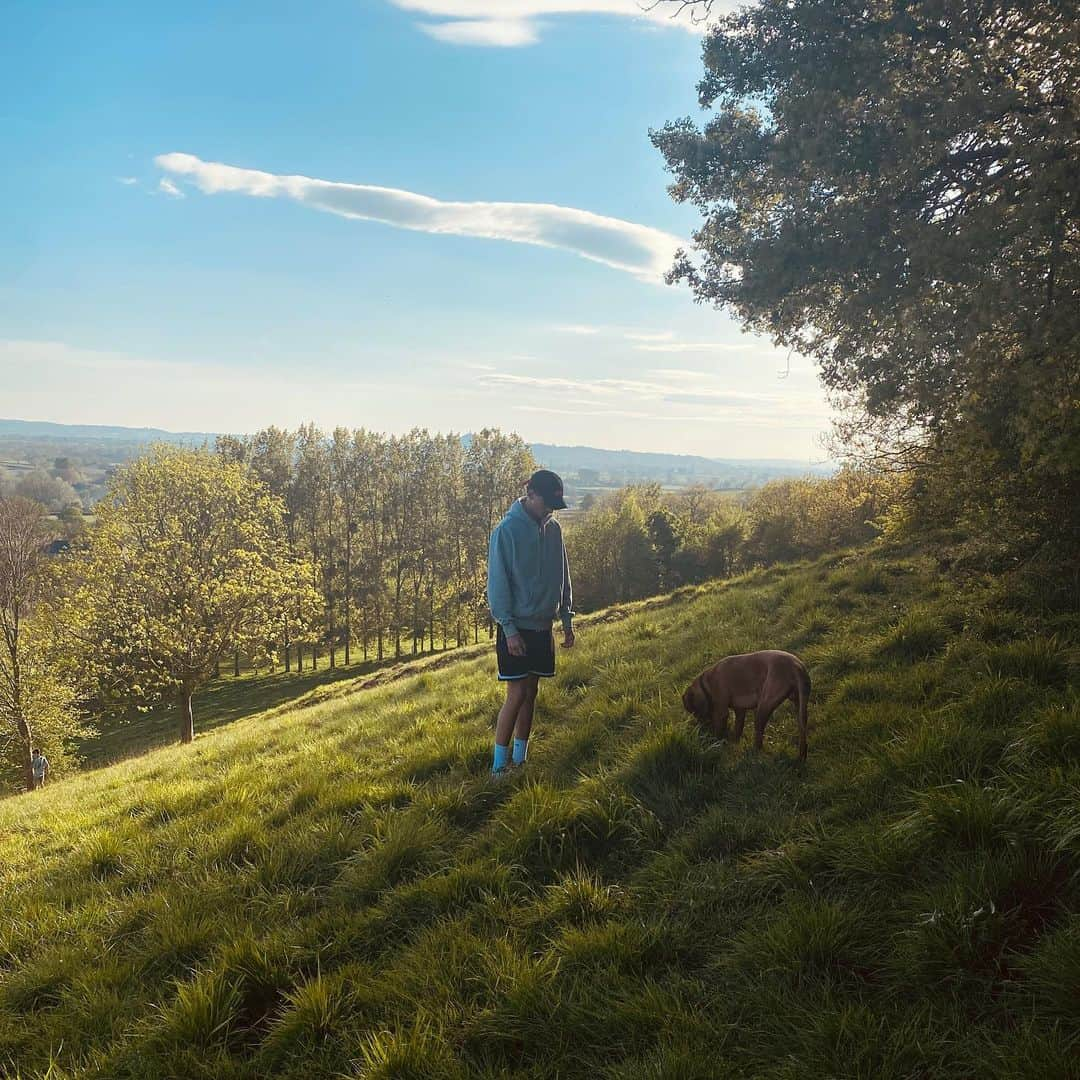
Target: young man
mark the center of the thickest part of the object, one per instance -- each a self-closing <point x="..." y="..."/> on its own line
<point x="39" y="766"/>
<point x="528" y="588"/>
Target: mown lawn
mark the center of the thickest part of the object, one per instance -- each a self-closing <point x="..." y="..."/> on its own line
<point x="341" y="890"/>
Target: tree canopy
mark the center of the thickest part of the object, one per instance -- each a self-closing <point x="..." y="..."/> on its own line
<point x="892" y="189"/>
<point x="37" y="695"/>
<point x="188" y="562"/>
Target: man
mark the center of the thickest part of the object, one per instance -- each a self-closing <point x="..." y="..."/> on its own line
<point x="528" y="588"/>
<point x="39" y="766"/>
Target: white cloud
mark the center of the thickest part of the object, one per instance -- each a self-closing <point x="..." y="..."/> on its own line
<point x="498" y="32"/>
<point x="640" y="397"/>
<point x="700" y="347"/>
<point x="513" y="22"/>
<point x="649" y="335"/>
<point x="51" y="380"/>
<point x="645" y="252"/>
<point x="166" y="186"/>
<point x="127" y="180"/>
<point x="580" y="330"/>
<point x="627" y="333"/>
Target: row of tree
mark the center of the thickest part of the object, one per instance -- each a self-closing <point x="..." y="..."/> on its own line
<point x="395" y="529"/>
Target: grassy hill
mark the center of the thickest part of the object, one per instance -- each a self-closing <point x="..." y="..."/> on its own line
<point x="339" y="889"/>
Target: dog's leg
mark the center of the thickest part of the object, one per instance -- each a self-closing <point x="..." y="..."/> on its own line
<point x="740" y="723"/>
<point x="762" y="715"/>
<point x="720" y="721"/>
<point x="761" y="718"/>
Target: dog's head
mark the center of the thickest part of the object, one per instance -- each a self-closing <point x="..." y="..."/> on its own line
<point x="694" y="702"/>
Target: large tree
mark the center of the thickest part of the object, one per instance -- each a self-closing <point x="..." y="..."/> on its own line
<point x="894" y="189"/>
<point x="188" y="563"/>
<point x="36" y="692"/>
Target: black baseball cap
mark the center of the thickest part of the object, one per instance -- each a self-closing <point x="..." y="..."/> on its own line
<point x="549" y="487"/>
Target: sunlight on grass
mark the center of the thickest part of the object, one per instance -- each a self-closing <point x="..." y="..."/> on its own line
<point x="337" y="888"/>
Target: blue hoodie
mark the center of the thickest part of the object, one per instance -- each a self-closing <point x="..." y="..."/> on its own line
<point x="528" y="573"/>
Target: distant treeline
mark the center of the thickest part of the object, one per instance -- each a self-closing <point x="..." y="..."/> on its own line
<point x="641" y="540"/>
<point x="395" y="529"/>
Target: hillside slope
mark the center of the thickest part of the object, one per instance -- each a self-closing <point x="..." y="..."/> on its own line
<point x="341" y="890"/>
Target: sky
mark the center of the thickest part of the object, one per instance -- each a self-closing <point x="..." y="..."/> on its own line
<point x="372" y="213"/>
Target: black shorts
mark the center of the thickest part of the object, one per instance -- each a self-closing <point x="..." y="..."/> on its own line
<point x="539" y="658"/>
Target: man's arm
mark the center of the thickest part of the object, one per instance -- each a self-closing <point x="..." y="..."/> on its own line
<point x="566" y="601"/>
<point x="500" y="595"/>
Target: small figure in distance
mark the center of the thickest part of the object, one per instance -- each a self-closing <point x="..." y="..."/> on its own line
<point x="761" y="681"/>
<point x="39" y="767"/>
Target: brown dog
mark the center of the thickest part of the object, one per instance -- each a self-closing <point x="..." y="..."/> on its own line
<point x="761" y="681"/>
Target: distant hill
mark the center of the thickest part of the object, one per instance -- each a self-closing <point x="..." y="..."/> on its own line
<point x="43" y="429"/>
<point x="623" y="466"/>
<point x="583" y="467"/>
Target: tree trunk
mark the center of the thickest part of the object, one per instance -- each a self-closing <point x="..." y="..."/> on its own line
<point x="236" y="664"/>
<point x="299" y="656"/>
<point x="26" y="753"/>
<point x="397" y="619"/>
<point x="187" y="719"/>
<point x="348" y="590"/>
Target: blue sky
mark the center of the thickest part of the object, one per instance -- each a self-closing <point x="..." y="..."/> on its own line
<point x="225" y="216"/>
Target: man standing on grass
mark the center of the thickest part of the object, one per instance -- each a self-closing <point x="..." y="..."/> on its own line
<point x="528" y="588"/>
<point x="39" y="766"/>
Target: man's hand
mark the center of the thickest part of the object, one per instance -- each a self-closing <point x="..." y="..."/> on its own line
<point x="515" y="645"/>
<point x="568" y="638"/>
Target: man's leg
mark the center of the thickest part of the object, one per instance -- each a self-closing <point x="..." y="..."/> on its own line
<point x="516" y="690"/>
<point x="523" y="724"/>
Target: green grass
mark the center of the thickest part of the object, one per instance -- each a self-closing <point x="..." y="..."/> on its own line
<point x="230" y="698"/>
<point x="334" y="887"/>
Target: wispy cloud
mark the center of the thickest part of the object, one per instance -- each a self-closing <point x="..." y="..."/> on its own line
<point x="640" y="250"/>
<point x="627" y="333"/>
<point x="649" y="335"/>
<point x="579" y="329"/>
<point x="515" y="22"/>
<point x="699" y="346"/>
<point x="167" y="187"/>
<point x="662" y="341"/>
<point x="127" y="181"/>
<point x="640" y="398"/>
<point x="501" y="33"/>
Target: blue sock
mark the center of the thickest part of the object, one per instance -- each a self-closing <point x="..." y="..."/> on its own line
<point x="501" y="754"/>
<point x="521" y="748"/>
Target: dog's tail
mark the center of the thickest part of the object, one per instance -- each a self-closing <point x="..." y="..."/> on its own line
<point x="802" y="690"/>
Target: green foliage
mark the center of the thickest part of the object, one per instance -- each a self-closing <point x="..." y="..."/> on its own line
<point x="339" y="888"/>
<point x="640" y="541"/>
<point x="890" y="189"/>
<point x="188" y="562"/>
<point x="38" y="686"/>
